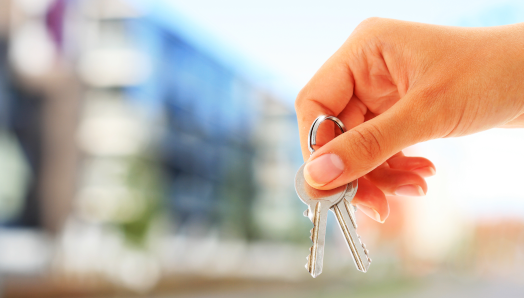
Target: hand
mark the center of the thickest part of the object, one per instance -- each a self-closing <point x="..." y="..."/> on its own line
<point x="396" y="83"/>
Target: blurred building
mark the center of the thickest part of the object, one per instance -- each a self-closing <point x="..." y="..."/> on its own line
<point x="126" y="125"/>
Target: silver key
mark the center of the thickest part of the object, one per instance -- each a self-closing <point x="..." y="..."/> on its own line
<point x="319" y="202"/>
<point x="347" y="222"/>
<point x="339" y="200"/>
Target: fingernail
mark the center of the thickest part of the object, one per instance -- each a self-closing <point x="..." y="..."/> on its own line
<point x="323" y="169"/>
<point x="410" y="190"/>
<point x="425" y="171"/>
<point x="372" y="213"/>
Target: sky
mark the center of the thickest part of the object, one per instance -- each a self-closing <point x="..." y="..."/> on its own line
<point x="291" y="39"/>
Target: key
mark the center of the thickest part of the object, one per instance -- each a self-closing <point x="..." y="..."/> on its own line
<point x="319" y="202"/>
<point x="339" y="202"/>
<point x="345" y="214"/>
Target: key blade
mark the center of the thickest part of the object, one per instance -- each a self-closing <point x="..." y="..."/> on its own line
<point x="318" y="216"/>
<point x="347" y="222"/>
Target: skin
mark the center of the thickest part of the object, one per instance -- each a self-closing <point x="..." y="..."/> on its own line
<point x="395" y="84"/>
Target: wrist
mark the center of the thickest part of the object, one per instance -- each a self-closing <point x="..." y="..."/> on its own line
<point x="512" y="51"/>
<point x="509" y="41"/>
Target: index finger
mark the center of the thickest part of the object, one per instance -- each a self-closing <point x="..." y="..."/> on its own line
<point x="327" y="93"/>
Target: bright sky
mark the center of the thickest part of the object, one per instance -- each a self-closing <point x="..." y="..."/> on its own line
<point x="292" y="38"/>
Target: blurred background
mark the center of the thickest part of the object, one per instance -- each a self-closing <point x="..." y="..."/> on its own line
<point x="148" y="148"/>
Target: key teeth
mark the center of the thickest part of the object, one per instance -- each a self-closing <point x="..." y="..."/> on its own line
<point x="366" y="251"/>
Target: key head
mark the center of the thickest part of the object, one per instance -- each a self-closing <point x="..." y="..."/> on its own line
<point x="310" y="196"/>
<point x="351" y="190"/>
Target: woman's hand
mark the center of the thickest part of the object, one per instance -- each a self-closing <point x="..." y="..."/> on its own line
<point x="395" y="84"/>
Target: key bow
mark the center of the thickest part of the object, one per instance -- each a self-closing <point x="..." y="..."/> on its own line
<point x="312" y="137"/>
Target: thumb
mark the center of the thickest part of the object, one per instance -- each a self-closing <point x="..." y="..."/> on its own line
<point x="358" y="151"/>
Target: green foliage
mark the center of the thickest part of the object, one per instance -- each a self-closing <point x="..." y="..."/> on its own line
<point x="145" y="185"/>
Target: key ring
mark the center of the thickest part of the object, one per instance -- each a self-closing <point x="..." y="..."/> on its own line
<point x="312" y="137"/>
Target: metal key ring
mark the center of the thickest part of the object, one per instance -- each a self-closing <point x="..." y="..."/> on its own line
<point x="312" y="138"/>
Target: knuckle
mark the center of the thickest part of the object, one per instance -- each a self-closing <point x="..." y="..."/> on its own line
<point x="368" y="30"/>
<point x="369" y="25"/>
<point x="371" y="21"/>
<point x="380" y="30"/>
<point x="369" y="143"/>
<point x="301" y="98"/>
